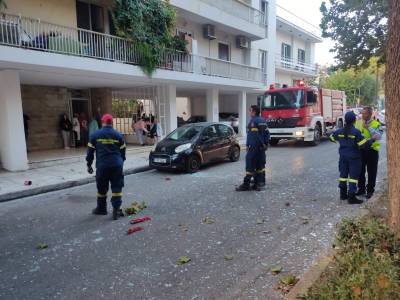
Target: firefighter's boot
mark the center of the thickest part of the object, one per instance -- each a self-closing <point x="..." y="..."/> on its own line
<point x="117" y="213"/>
<point x="101" y="208"/>
<point x="353" y="199"/>
<point x="343" y="194"/>
<point x="243" y="187"/>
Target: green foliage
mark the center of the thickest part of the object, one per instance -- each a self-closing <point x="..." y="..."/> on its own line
<point x="3" y="5"/>
<point x="356" y="83"/>
<point x="359" y="29"/>
<point x="367" y="265"/>
<point x="149" y="24"/>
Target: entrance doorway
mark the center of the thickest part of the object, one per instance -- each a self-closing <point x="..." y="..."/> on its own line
<point x="80" y="109"/>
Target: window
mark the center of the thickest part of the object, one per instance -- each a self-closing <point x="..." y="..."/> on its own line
<point x="301" y="56"/>
<point x="224" y="131"/>
<point x="264" y="10"/>
<point x="286" y="51"/>
<point x="282" y="100"/>
<point x="263" y="64"/>
<point x="90" y="16"/>
<point x="183" y="33"/>
<point x="210" y="132"/>
<point x="223" y="51"/>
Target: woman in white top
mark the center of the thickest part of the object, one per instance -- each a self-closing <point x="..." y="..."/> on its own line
<point x="76" y="128"/>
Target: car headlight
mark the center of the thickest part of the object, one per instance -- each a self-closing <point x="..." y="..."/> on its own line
<point x="183" y="147"/>
<point x="299" y="133"/>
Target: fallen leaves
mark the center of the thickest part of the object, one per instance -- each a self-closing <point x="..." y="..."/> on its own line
<point x="260" y="221"/>
<point x="183" y="260"/>
<point x="42" y="246"/>
<point x="135" y="208"/>
<point x="208" y="220"/>
<point x="356" y="291"/>
<point x="305" y="220"/>
<point x="286" y="283"/>
<point x="383" y="281"/>
<point x="228" y="257"/>
<point x="276" y="270"/>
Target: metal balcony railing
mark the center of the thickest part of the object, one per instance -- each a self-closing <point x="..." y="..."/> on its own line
<point x="239" y="9"/>
<point x="34" y="34"/>
<point x="295" y="65"/>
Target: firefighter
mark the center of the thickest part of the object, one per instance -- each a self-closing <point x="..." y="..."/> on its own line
<point x="351" y="141"/>
<point x="369" y="156"/>
<point x="257" y="143"/>
<point x="110" y="149"/>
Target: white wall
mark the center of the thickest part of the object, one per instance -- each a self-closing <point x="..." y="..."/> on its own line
<point x="183" y="107"/>
<point x="198" y="105"/>
<point x="296" y="43"/>
<point x="228" y="103"/>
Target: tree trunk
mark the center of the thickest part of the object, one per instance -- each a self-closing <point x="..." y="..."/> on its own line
<point x="392" y="99"/>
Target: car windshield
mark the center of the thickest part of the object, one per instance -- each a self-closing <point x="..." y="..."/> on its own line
<point x="185" y="133"/>
<point x="284" y="99"/>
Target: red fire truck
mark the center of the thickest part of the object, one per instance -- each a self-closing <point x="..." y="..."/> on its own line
<point x="301" y="112"/>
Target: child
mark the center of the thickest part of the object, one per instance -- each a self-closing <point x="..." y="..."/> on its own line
<point x="350" y="140"/>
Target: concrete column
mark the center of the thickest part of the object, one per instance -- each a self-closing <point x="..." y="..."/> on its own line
<point x="242" y="99"/>
<point x="212" y="108"/>
<point x="170" y="108"/>
<point x="12" y="135"/>
<point x="101" y="99"/>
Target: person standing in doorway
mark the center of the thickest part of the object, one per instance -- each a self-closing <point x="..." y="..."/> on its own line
<point x="141" y="131"/>
<point x="93" y="127"/>
<point x="84" y="129"/>
<point x="110" y="148"/>
<point x="370" y="129"/>
<point x="66" y="128"/>
<point x="76" y="127"/>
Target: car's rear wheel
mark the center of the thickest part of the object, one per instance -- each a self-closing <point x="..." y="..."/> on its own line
<point x="193" y="164"/>
<point x="235" y="154"/>
<point x="273" y="141"/>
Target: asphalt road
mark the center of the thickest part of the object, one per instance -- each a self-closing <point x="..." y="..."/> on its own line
<point x="91" y="257"/>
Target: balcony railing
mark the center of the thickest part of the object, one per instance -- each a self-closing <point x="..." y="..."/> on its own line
<point x="37" y="35"/>
<point x="239" y="9"/>
<point x="295" y="65"/>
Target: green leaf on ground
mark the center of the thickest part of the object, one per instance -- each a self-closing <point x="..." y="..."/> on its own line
<point x="276" y="270"/>
<point x="41" y="246"/>
<point x="228" y="257"/>
<point x="183" y="260"/>
<point x="289" y="280"/>
<point x="260" y="221"/>
<point x="209" y="220"/>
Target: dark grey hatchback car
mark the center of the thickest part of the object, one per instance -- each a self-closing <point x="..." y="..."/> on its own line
<point x="193" y="145"/>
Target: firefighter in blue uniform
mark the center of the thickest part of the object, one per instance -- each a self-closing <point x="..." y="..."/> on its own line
<point x="351" y="141"/>
<point x="257" y="144"/>
<point x="110" y="149"/>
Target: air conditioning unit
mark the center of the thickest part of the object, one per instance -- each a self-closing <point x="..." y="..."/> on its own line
<point x="209" y="32"/>
<point x="242" y="42"/>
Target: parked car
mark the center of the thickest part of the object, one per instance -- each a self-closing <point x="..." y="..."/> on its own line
<point x="381" y="117"/>
<point x="231" y="119"/>
<point x="193" y="145"/>
<point x="196" y="119"/>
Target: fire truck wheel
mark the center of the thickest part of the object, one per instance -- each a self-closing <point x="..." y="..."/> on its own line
<point x="273" y="142"/>
<point x="317" y="136"/>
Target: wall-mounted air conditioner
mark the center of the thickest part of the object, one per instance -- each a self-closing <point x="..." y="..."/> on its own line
<point x="209" y="32"/>
<point x="242" y="42"/>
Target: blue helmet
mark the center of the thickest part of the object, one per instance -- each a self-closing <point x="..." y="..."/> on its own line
<point x="350" y="117"/>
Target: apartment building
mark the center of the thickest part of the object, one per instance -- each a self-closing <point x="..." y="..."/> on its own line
<point x="63" y="57"/>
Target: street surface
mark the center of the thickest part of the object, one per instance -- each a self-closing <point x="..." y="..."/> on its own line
<point x="90" y="257"/>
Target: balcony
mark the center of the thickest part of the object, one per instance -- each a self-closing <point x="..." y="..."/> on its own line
<point x="34" y="34"/>
<point x="231" y="16"/>
<point x="295" y="66"/>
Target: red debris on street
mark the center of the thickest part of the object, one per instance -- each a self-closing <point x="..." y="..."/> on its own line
<point x="140" y="220"/>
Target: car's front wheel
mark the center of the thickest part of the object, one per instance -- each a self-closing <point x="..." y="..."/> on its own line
<point x="235" y="154"/>
<point x="193" y="164"/>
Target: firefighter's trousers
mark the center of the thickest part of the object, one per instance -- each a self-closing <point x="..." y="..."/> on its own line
<point x="349" y="169"/>
<point x="255" y="165"/>
<point x="113" y="176"/>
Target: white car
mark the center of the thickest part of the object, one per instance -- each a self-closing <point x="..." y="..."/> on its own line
<point x="381" y="117"/>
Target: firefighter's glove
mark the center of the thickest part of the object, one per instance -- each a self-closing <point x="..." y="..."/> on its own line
<point x="90" y="169"/>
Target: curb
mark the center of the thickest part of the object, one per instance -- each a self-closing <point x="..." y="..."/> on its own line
<point x="63" y="185"/>
<point x="308" y="279"/>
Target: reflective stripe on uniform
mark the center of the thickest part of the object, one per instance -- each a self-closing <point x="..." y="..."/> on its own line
<point x="261" y="171"/>
<point x="107" y="141"/>
<point x="249" y="173"/>
<point x="362" y="142"/>
<point x="123" y="146"/>
<point x="117" y="194"/>
<point x="101" y="195"/>
<point x="349" y="136"/>
<point x="353" y="180"/>
<point x="332" y="138"/>
<point x="90" y="145"/>
<point x="254" y="129"/>
<point x="343" y="179"/>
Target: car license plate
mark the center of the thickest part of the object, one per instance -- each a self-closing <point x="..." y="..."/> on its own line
<point x="160" y="160"/>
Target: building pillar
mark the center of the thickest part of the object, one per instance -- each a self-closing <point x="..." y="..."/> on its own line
<point x="212" y="108"/>
<point x="13" y="152"/>
<point x="101" y="99"/>
<point x="167" y="107"/>
<point x="242" y="99"/>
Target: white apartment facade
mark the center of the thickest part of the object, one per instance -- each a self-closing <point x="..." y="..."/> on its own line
<point x="61" y="56"/>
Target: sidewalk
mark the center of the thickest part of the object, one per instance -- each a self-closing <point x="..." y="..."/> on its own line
<point x="49" y="172"/>
<point x="56" y="174"/>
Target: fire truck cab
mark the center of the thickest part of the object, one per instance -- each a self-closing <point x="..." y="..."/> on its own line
<point x="301" y="112"/>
